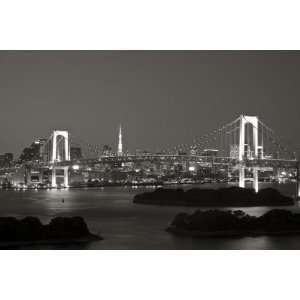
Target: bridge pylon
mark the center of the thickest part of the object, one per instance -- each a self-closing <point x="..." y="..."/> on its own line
<point x="60" y="151"/>
<point x="244" y="120"/>
<point x="65" y="176"/>
<point x="55" y="154"/>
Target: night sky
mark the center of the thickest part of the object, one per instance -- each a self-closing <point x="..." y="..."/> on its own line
<point x="161" y="98"/>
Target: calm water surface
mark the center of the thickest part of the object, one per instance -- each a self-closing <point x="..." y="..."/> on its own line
<point x="124" y="225"/>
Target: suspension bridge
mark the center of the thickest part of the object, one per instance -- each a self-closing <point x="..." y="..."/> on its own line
<point x="246" y="146"/>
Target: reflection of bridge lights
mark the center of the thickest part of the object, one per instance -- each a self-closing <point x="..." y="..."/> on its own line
<point x="75" y="167"/>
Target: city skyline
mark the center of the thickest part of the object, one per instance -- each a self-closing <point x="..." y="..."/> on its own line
<point x="101" y="134"/>
<point x="132" y="168"/>
<point x="90" y="93"/>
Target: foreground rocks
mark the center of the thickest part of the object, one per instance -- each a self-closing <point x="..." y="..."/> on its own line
<point x="224" y="197"/>
<point x="215" y="223"/>
<point x="31" y="230"/>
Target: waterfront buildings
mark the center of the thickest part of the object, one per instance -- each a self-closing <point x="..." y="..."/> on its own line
<point x="34" y="152"/>
<point x="6" y="160"/>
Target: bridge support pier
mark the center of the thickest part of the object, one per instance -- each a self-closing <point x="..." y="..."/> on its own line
<point x="65" y="176"/>
<point x="53" y="180"/>
<point x="255" y="179"/>
<point x="242" y="177"/>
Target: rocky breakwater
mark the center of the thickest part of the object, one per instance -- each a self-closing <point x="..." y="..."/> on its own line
<point x="223" y="197"/>
<point x="30" y="231"/>
<point x="217" y="223"/>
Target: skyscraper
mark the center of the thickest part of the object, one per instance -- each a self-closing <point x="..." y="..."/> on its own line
<point x="35" y="151"/>
<point x="75" y="153"/>
<point x="107" y="150"/>
<point x="120" y="145"/>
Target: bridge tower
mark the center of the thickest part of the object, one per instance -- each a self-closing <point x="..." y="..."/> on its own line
<point x="57" y="144"/>
<point x="244" y="120"/>
<point x="65" y="175"/>
<point x="60" y="143"/>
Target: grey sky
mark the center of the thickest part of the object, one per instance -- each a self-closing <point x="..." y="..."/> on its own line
<point x="161" y="98"/>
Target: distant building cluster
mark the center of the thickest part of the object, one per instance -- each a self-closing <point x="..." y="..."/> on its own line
<point x="75" y="153"/>
<point x="34" y="152"/>
<point x="112" y="168"/>
<point x="6" y="160"/>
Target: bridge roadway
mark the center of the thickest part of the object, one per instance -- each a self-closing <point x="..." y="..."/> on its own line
<point x="202" y="160"/>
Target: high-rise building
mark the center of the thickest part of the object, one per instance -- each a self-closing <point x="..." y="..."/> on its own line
<point x="120" y="144"/>
<point x="193" y="151"/>
<point x="9" y="157"/>
<point x="75" y="153"/>
<point x="6" y="160"/>
<point x="40" y="144"/>
<point x="234" y="151"/>
<point x="107" y="150"/>
<point x="34" y="152"/>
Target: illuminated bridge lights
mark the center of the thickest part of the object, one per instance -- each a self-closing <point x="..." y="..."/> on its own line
<point x="245" y="143"/>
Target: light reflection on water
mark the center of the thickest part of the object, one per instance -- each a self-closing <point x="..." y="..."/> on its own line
<point x="124" y="225"/>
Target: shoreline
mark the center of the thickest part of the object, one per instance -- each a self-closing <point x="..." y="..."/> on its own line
<point x="230" y="233"/>
<point x="220" y="197"/>
<point x="195" y="205"/>
<point x="30" y="231"/>
<point x="82" y="240"/>
<point x="235" y="223"/>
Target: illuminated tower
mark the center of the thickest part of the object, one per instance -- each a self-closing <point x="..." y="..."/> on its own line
<point x="120" y="145"/>
<point x="56" y="144"/>
<point x="244" y="120"/>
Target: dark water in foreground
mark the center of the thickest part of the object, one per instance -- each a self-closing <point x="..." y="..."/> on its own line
<point x="124" y="225"/>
